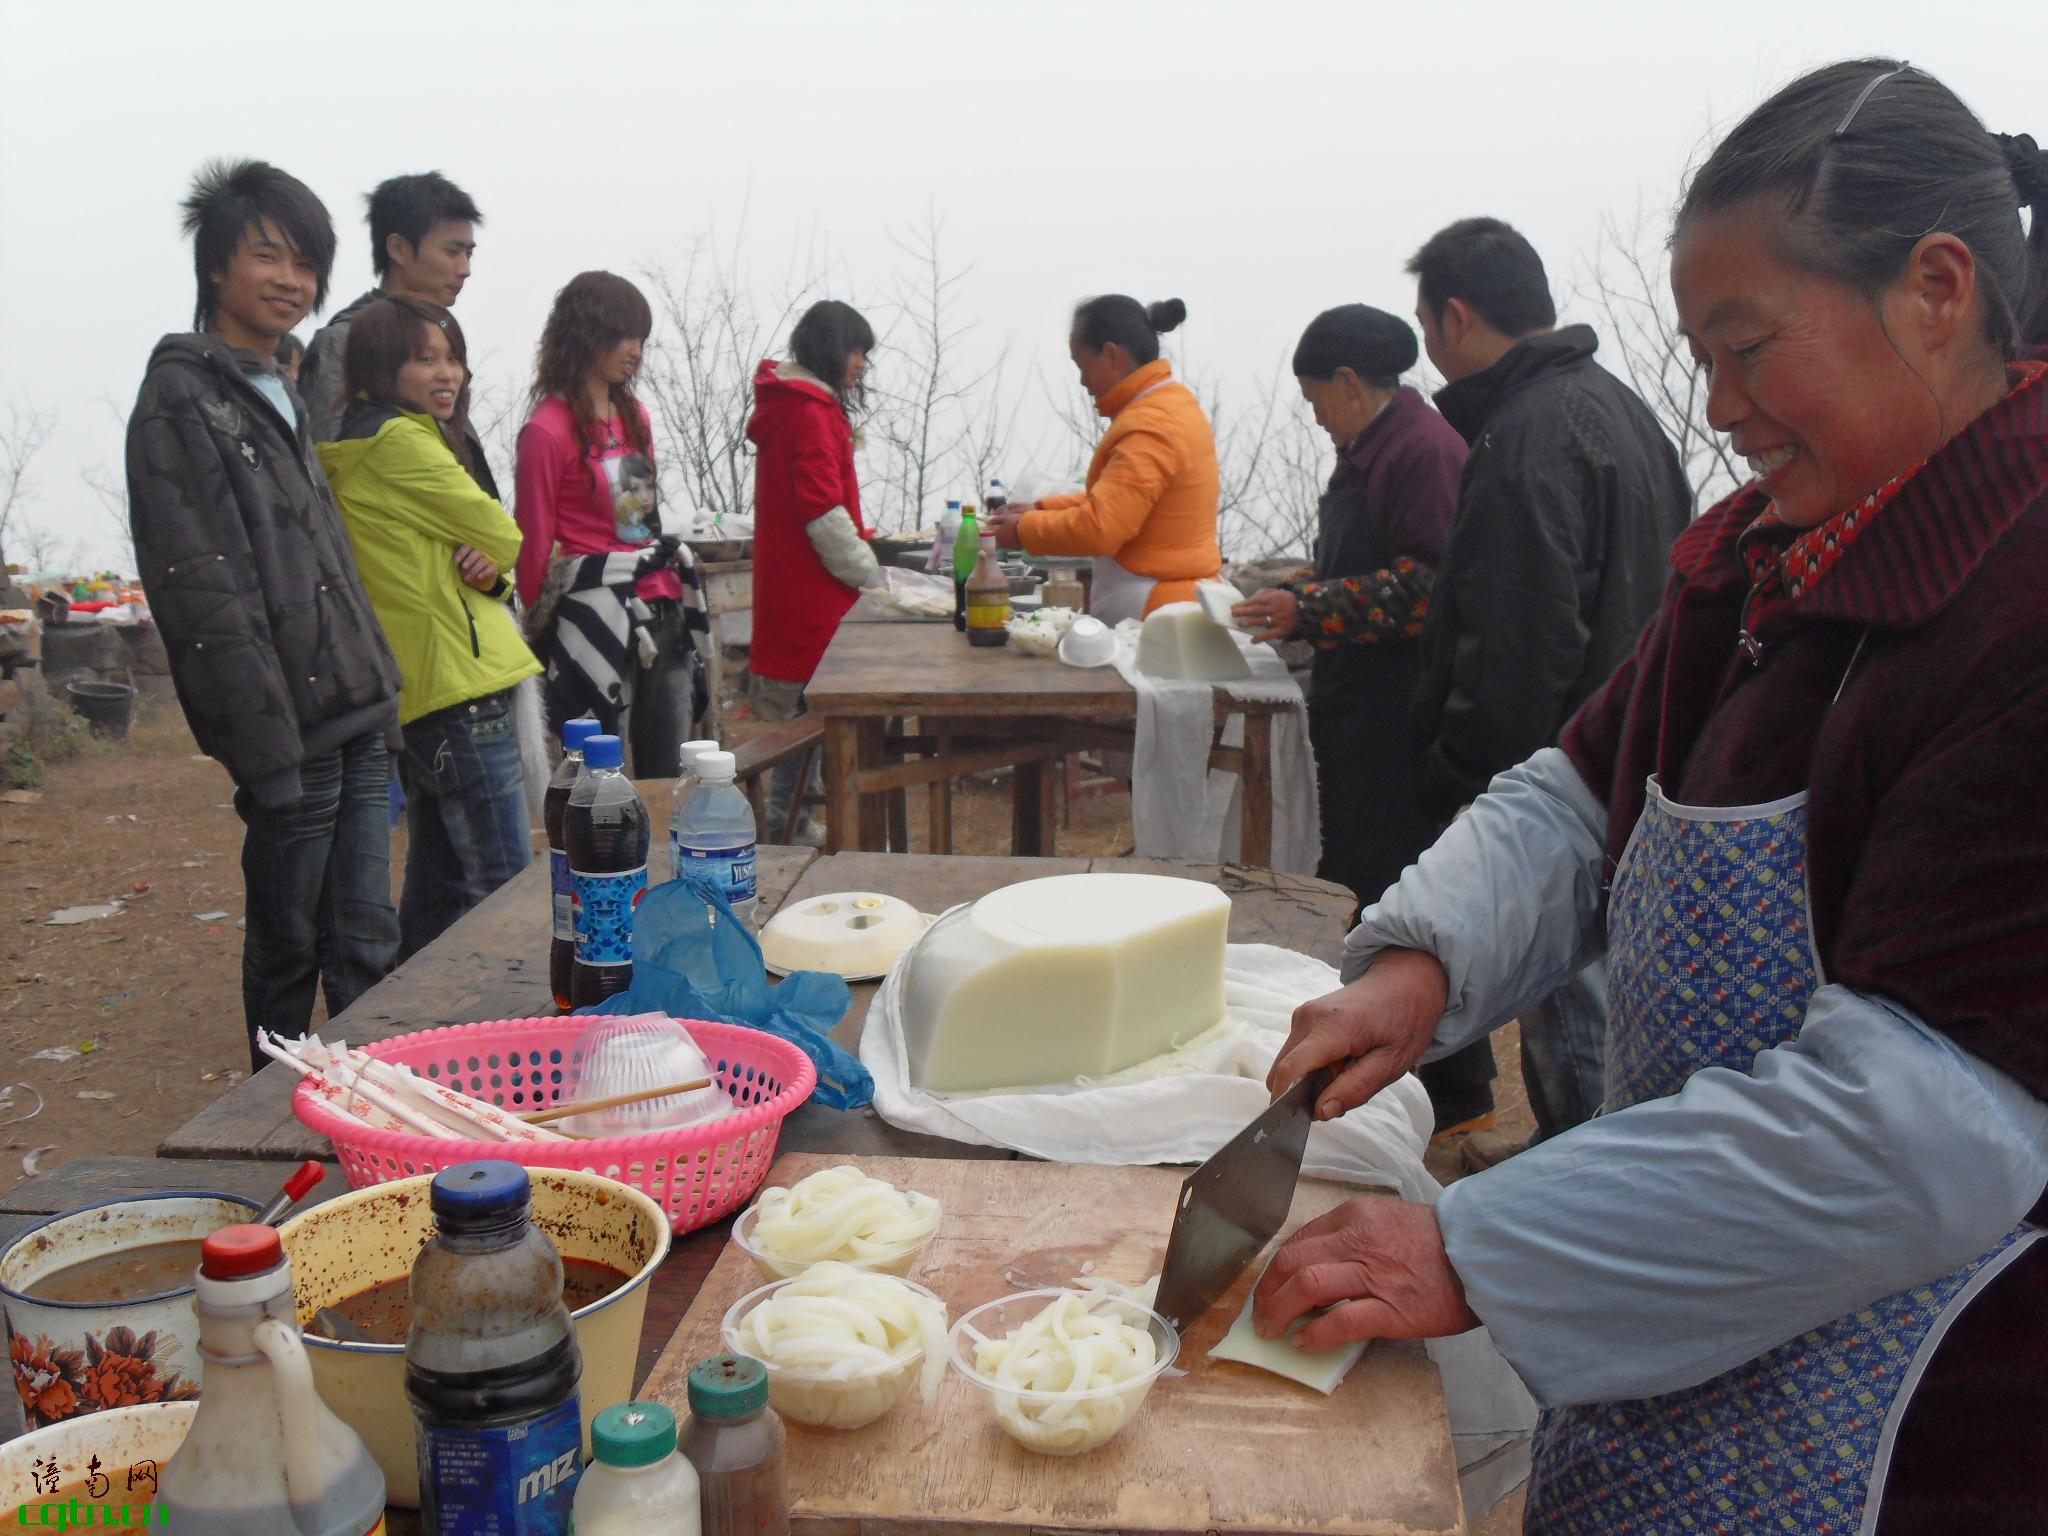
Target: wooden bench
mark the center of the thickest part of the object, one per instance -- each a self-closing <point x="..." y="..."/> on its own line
<point x="801" y="739"/>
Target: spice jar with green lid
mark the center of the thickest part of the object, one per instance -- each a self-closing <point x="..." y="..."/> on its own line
<point x="735" y="1441"/>
<point x="636" y="1484"/>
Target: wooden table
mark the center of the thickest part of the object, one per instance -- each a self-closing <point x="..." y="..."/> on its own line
<point x="982" y="709"/>
<point x="492" y="964"/>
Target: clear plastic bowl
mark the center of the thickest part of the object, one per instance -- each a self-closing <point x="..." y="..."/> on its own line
<point x="1058" y="1423"/>
<point x="898" y="1263"/>
<point x="822" y="1401"/>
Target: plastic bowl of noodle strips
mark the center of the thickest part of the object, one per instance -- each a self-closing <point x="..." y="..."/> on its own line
<point x="1063" y="1371"/>
<point x="838" y="1214"/>
<point x="832" y="1382"/>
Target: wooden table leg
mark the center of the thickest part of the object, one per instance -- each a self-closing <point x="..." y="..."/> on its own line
<point x="1255" y="842"/>
<point x="842" y="797"/>
<point x="1031" y="810"/>
<point x="873" y="810"/>
<point x="939" y="801"/>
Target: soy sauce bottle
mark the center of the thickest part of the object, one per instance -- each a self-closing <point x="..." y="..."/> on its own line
<point x="608" y="831"/>
<point x="554" y="810"/>
<point x="491" y="1363"/>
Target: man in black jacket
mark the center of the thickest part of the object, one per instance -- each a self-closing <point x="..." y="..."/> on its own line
<point x="1566" y="512"/>
<point x="276" y="654"/>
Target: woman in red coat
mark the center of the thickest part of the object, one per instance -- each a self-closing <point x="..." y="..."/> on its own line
<point x="811" y="552"/>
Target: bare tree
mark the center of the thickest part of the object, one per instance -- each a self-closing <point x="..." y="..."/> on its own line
<point x="699" y="373"/>
<point x="1628" y="286"/>
<point x="26" y="435"/>
<point x="935" y="421"/>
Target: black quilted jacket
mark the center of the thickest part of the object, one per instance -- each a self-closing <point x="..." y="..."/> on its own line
<point x="275" y="650"/>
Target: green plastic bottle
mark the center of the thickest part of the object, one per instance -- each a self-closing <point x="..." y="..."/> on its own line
<point x="966" y="550"/>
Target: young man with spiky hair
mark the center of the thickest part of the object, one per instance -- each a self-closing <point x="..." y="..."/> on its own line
<point x="275" y="651"/>
<point x="422" y="236"/>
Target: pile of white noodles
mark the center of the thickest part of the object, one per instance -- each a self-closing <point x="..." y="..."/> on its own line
<point x="843" y="1345"/>
<point x="841" y="1215"/>
<point x="1076" y="1344"/>
<point x="1038" y="631"/>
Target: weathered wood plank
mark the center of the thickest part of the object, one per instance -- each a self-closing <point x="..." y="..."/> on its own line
<point x="930" y="670"/>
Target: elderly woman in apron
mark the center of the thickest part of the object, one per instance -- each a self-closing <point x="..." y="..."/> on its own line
<point x="1788" y="1280"/>
<point x="1148" y="515"/>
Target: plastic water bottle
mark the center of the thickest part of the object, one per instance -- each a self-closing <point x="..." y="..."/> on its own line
<point x="942" y="546"/>
<point x="554" y="808"/>
<point x="686" y="786"/>
<point x="491" y="1362"/>
<point x="715" y="839"/>
<point x="264" y="1455"/>
<point x="607" y="831"/>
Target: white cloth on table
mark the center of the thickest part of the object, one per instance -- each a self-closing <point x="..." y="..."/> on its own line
<point x="1180" y="807"/>
<point x="1215" y="1091"/>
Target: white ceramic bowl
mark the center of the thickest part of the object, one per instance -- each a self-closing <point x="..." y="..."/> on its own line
<point x="849" y="1401"/>
<point x="1067" y="1423"/>
<point x="1088" y="643"/>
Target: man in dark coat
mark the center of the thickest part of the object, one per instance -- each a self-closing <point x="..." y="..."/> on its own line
<point x="277" y="656"/>
<point x="1570" y="500"/>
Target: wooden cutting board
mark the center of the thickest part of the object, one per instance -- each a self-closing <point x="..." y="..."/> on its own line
<point x="1225" y="1448"/>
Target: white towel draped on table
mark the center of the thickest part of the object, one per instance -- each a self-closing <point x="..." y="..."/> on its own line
<point x="1180" y="807"/>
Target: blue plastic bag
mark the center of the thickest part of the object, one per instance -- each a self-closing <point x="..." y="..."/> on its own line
<point x="692" y="959"/>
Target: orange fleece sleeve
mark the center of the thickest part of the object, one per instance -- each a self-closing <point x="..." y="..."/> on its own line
<point x="1109" y="515"/>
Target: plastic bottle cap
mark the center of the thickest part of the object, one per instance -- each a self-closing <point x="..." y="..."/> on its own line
<point x="692" y="750"/>
<point x="728" y="1387"/>
<point x="486" y="1187"/>
<point x="633" y="1434"/>
<point x="716" y="767"/>
<point x="603" y="751"/>
<point x="234" y="1253"/>
<point x="577" y="732"/>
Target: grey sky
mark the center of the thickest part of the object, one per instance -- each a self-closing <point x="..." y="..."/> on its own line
<point x="1261" y="161"/>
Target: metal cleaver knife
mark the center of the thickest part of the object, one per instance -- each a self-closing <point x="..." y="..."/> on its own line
<point x="1233" y="1204"/>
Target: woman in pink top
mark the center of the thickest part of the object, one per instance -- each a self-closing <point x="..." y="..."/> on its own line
<point x="614" y="605"/>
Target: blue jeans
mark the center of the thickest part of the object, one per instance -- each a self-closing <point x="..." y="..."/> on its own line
<point x="1564" y="1051"/>
<point x="465" y="811"/>
<point x="317" y="879"/>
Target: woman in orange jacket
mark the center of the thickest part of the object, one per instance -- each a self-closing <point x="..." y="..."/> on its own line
<point x="1149" y="513"/>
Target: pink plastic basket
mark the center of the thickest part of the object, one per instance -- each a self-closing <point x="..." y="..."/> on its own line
<point x="698" y="1174"/>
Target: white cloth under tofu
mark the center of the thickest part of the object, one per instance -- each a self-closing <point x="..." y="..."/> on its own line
<point x="1180" y="808"/>
<point x="1215" y="1089"/>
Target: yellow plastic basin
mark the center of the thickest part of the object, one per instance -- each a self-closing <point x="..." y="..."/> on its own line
<point x="362" y="1239"/>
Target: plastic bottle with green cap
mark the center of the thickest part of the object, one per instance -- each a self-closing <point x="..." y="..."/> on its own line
<point x="636" y="1484"/>
<point x="735" y="1441"/>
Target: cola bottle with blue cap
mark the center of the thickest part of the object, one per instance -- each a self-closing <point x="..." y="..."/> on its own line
<point x="608" y="831"/>
<point x="554" y="813"/>
<point x="491" y="1363"/>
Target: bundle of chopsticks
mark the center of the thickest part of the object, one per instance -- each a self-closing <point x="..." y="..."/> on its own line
<point x="388" y="1096"/>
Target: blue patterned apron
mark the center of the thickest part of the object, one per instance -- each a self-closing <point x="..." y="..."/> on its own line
<point x="1710" y="961"/>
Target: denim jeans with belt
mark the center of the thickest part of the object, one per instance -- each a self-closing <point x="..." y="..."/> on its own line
<point x="465" y="812"/>
<point x="317" y="878"/>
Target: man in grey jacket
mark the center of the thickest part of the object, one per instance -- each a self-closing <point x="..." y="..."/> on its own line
<point x="1569" y="502"/>
<point x="422" y="238"/>
<point x="275" y="652"/>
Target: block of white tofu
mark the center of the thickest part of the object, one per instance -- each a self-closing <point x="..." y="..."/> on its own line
<point x="1183" y="643"/>
<point x="1322" y="1369"/>
<point x="1072" y="976"/>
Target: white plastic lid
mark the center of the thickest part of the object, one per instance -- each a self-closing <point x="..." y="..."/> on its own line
<point x="715" y="767"/>
<point x="691" y="750"/>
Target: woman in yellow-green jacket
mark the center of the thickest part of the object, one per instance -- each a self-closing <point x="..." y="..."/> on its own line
<point x="434" y="548"/>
